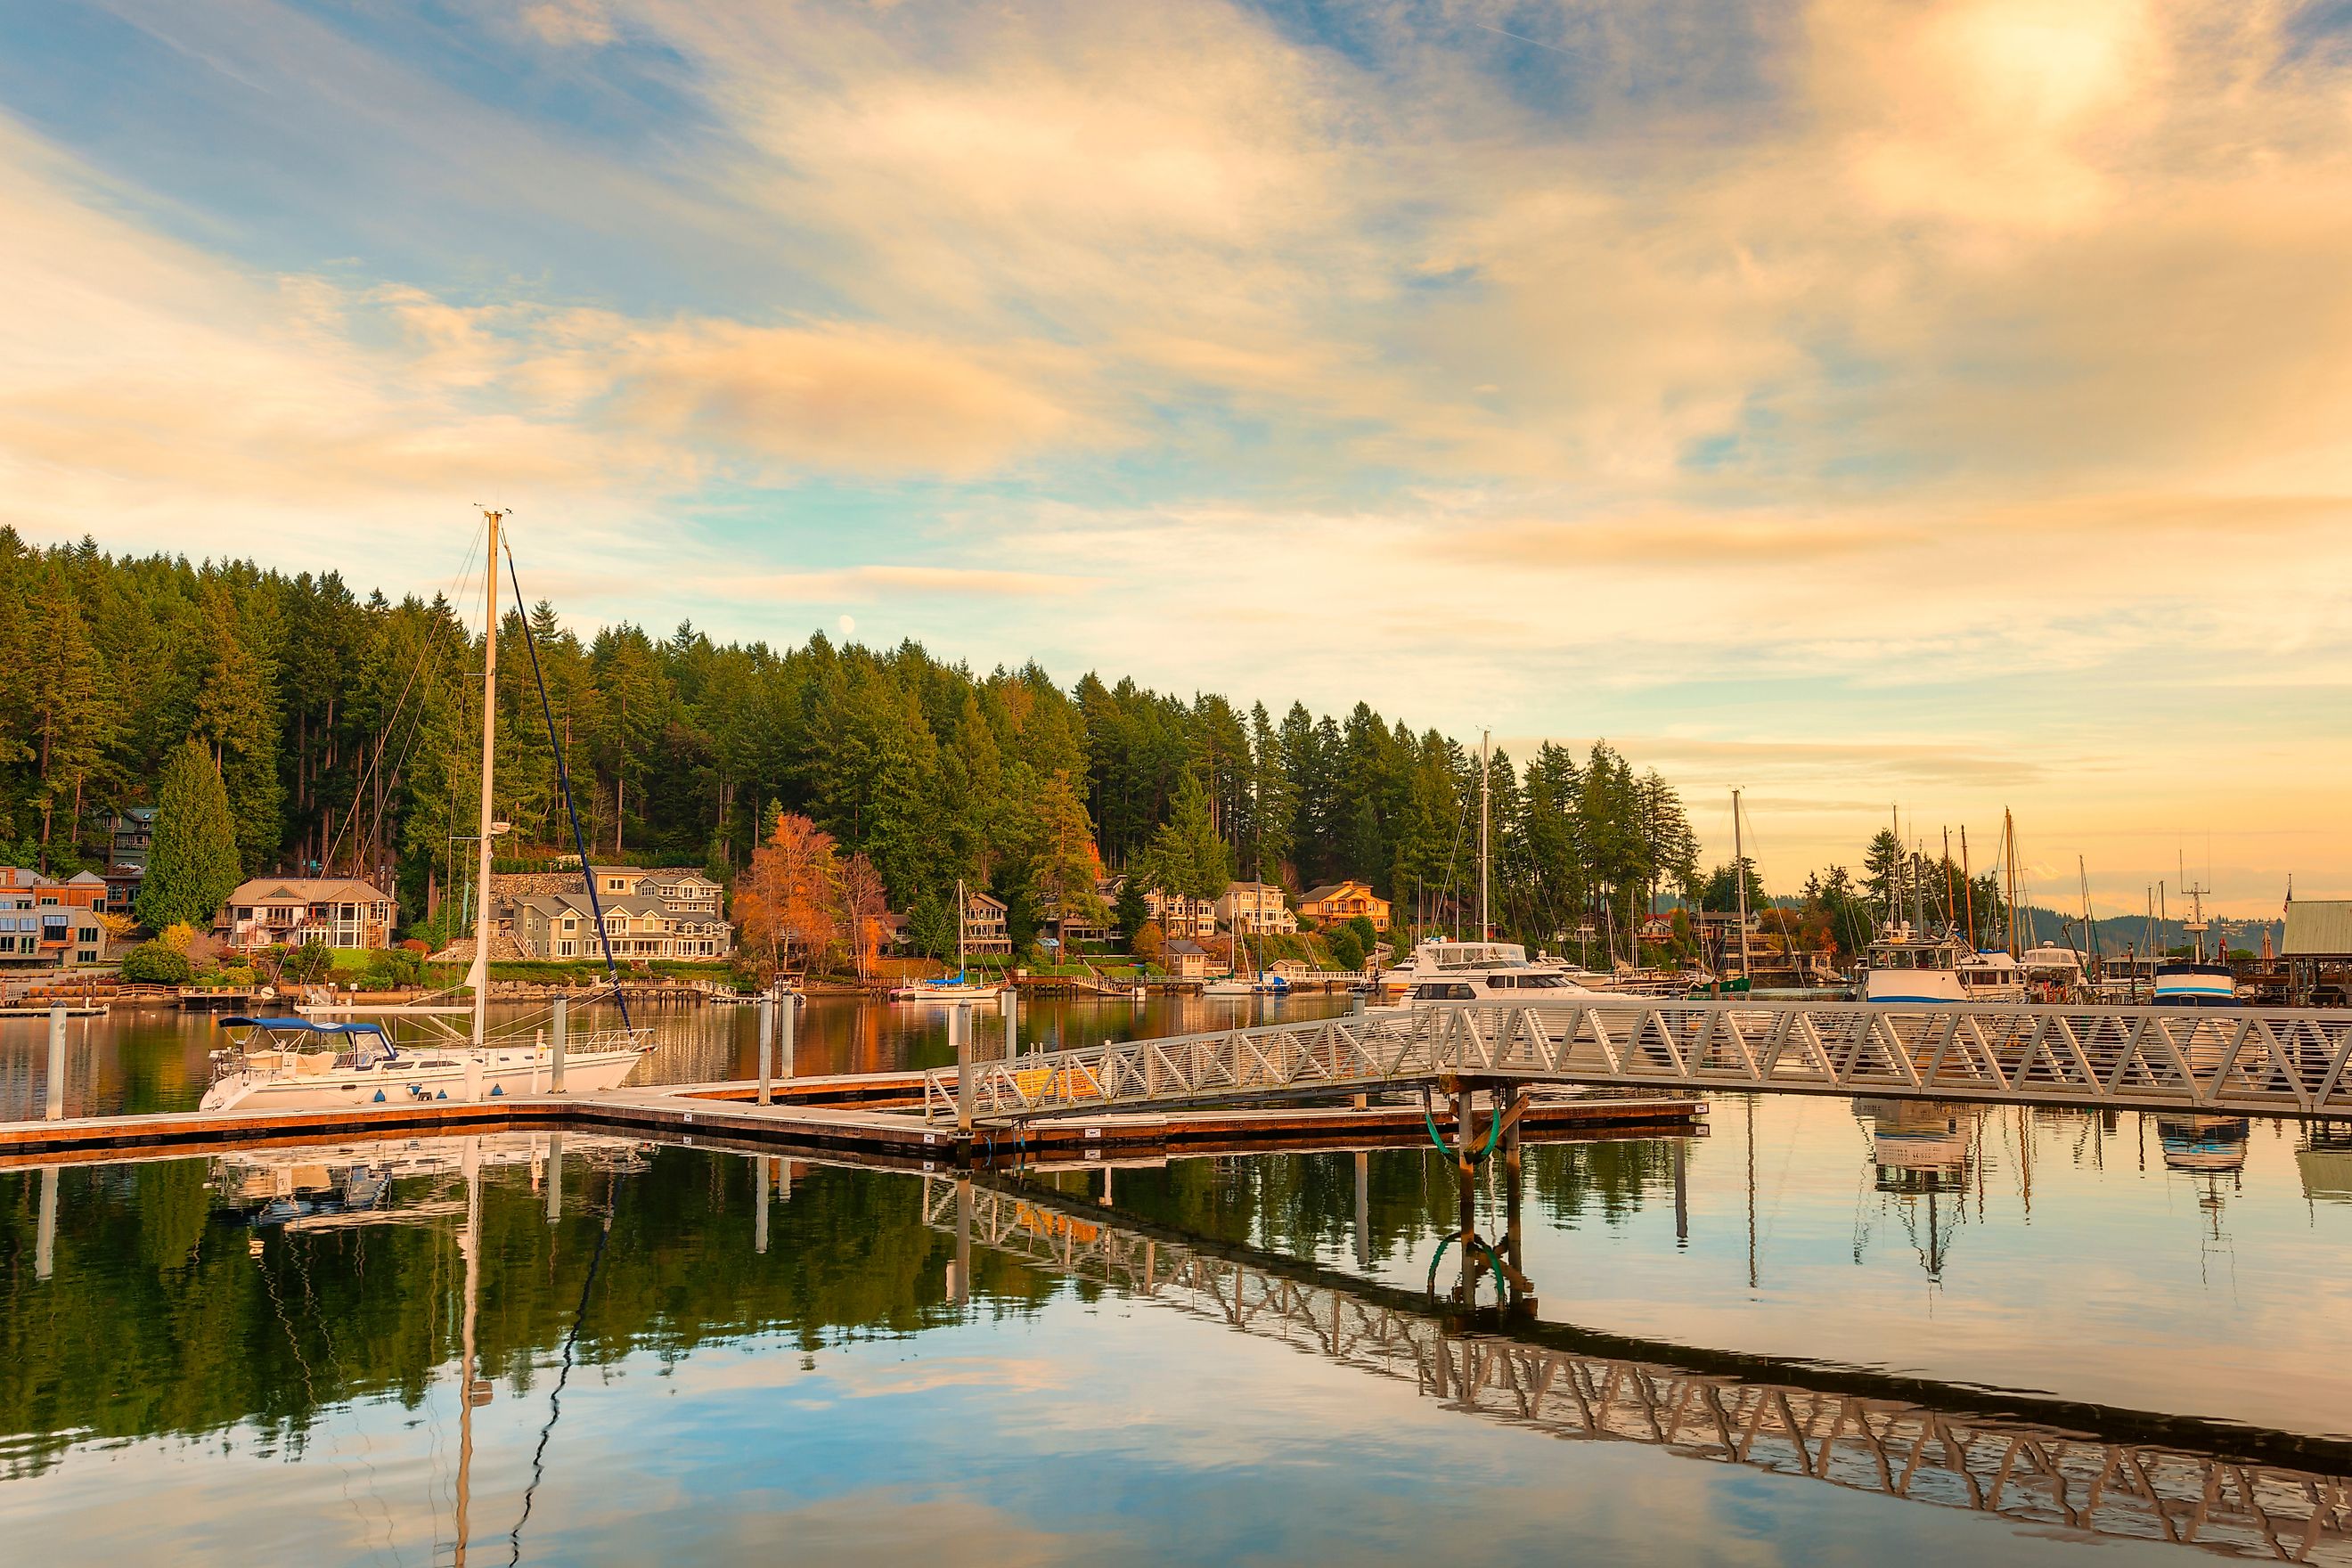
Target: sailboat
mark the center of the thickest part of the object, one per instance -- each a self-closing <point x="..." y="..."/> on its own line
<point x="963" y="988"/>
<point x="1233" y="983"/>
<point x="307" y="1063"/>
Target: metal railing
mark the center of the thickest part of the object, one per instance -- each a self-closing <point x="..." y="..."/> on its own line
<point x="2229" y="1062"/>
<point x="2032" y="1475"/>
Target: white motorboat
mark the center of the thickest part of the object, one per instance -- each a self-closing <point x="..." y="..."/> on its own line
<point x="1495" y="971"/>
<point x="304" y="1064"/>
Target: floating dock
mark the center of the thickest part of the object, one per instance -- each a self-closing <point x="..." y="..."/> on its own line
<point x="873" y="1113"/>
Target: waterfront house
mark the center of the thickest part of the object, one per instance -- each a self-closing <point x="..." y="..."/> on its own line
<point x="563" y="926"/>
<point x="48" y="936"/>
<point x="335" y="911"/>
<point x="1179" y="916"/>
<point x="1186" y="960"/>
<point x="694" y="924"/>
<point x="20" y="888"/>
<point x="985" y="931"/>
<point x="1084" y="928"/>
<point x="1335" y="903"/>
<point x="1255" y="908"/>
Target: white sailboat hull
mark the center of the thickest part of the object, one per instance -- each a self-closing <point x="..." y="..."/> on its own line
<point x="432" y="1075"/>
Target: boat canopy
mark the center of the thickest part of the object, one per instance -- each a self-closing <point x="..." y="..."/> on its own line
<point x="303" y="1026"/>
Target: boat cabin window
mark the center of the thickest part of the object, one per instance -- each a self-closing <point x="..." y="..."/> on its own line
<point x="1443" y="991"/>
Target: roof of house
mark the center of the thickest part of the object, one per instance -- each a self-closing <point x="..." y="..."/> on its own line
<point x="1268" y="889"/>
<point x="2318" y="928"/>
<point x="86" y="878"/>
<point x="1333" y="890"/>
<point x="633" y="904"/>
<point x="307" y="891"/>
<point x="1181" y="947"/>
<point x="974" y="896"/>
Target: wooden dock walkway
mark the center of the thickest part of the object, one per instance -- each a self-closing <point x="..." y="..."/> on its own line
<point x="869" y="1112"/>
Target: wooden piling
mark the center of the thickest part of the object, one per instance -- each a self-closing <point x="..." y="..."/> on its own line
<point x="559" y="1026"/>
<point x="56" y="1096"/>
<point x="767" y="1046"/>
<point x="787" y="1026"/>
<point x="960" y="1027"/>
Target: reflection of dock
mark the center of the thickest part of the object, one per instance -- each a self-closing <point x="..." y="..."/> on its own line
<point x="2325" y="1163"/>
<point x="2111" y="1474"/>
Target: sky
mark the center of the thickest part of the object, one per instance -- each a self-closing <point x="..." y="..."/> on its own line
<point x="1873" y="404"/>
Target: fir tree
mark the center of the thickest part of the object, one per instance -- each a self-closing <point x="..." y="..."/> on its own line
<point x="191" y="865"/>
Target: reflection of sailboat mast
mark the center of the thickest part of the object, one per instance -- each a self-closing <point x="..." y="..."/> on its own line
<point x="470" y="1242"/>
<point x="1752" y="1191"/>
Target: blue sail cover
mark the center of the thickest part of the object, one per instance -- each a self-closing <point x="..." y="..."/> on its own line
<point x="304" y="1025"/>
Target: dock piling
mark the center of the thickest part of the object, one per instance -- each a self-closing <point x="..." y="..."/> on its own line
<point x="767" y="1044"/>
<point x="1009" y="1002"/>
<point x="57" y="1099"/>
<point x="788" y="1012"/>
<point x="560" y="1026"/>
<point x="960" y="1033"/>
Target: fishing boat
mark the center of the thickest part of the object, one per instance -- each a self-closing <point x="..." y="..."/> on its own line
<point x="313" y="1062"/>
<point x="309" y="1063"/>
<point x="2198" y="980"/>
<point x="961" y="986"/>
<point x="1907" y="964"/>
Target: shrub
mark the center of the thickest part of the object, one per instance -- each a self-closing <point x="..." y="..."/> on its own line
<point x="308" y="963"/>
<point x="152" y="963"/>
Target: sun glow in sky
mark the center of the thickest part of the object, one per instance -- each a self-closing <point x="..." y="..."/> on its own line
<point x="1861" y="402"/>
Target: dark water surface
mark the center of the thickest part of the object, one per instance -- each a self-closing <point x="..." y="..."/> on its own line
<point x="256" y="1358"/>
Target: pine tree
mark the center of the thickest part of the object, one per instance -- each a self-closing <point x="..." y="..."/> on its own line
<point x="191" y="865"/>
<point x="1063" y="868"/>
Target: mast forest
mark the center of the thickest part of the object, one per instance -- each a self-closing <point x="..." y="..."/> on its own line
<point x="346" y="731"/>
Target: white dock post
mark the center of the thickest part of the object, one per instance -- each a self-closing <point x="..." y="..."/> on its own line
<point x="787" y="1020"/>
<point x="45" y="1245"/>
<point x="1009" y="1001"/>
<point x="561" y="1026"/>
<point x="57" y="1106"/>
<point x="767" y="1042"/>
<point x="959" y="1032"/>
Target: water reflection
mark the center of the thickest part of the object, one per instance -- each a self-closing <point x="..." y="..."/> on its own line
<point x="546" y="1346"/>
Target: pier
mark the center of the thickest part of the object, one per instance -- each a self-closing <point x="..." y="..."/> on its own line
<point x="2214" y="1062"/>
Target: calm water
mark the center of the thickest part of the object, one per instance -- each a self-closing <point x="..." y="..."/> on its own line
<point x="256" y="1358"/>
<point x="140" y="1061"/>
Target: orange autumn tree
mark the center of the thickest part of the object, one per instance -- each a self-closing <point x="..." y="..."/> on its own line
<point x="790" y="899"/>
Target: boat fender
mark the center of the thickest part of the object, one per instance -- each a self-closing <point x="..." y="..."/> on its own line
<point x="379" y="1097"/>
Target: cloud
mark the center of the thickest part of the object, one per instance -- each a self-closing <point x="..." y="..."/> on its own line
<point x="564" y="24"/>
<point x="871" y="582"/>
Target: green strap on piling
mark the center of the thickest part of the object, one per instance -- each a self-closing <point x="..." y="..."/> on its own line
<point x="1494" y="1133"/>
<point x="1493" y="1261"/>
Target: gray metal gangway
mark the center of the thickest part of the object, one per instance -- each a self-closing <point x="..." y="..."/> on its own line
<point x="2220" y="1061"/>
<point x="2035" y="1475"/>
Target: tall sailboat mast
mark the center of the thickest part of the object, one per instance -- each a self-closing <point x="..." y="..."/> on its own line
<point x="1739" y="881"/>
<point x="1485" y="926"/>
<point x="479" y="976"/>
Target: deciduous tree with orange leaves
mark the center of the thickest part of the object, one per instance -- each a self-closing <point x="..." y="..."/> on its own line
<point x="790" y="900"/>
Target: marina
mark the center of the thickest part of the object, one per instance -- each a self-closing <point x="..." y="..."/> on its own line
<point x="690" y="1297"/>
